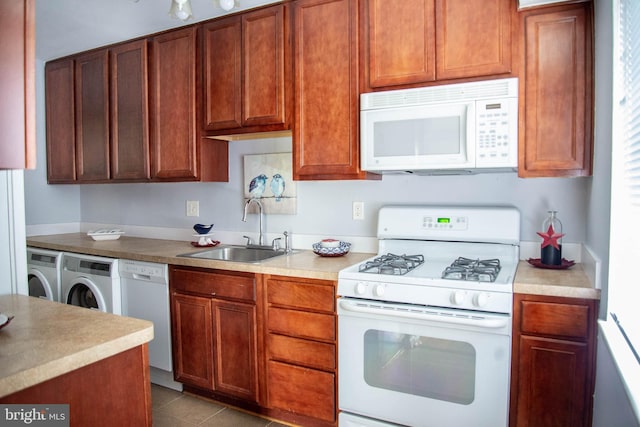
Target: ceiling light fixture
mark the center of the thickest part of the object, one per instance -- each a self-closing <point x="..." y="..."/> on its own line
<point x="180" y="9"/>
<point x="227" y="4"/>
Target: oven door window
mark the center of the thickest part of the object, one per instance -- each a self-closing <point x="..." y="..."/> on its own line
<point x="421" y="366"/>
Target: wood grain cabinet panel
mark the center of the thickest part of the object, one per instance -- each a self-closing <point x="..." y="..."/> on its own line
<point x="173" y="106"/>
<point x="246" y="70"/>
<point x="300" y="349"/>
<point x="92" y="116"/>
<point x="215" y="337"/>
<point x="129" y="111"/>
<point x="553" y="361"/>
<point x="60" y="116"/>
<point x="326" y="127"/>
<point x="473" y="41"/>
<point x="556" y="90"/>
<point x="17" y="85"/>
<point x="424" y="41"/>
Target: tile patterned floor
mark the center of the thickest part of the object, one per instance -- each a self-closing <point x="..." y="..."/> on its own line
<point x="174" y="409"/>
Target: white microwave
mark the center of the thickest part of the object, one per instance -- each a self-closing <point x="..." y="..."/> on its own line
<point x="448" y="129"/>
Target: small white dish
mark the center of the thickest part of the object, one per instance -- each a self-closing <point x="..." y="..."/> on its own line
<point x="330" y="243"/>
<point x="105" y="234"/>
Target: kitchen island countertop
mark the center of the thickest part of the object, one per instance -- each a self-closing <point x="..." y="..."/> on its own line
<point x="47" y="339"/>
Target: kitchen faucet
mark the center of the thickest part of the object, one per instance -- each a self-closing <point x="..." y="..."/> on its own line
<point x="244" y="219"/>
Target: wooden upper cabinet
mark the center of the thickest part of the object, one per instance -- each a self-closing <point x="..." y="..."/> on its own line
<point x="17" y="85"/>
<point x="129" y="112"/>
<point x="222" y="74"/>
<point x="173" y="106"/>
<point x="556" y="84"/>
<point x="246" y="67"/>
<point x="423" y="41"/>
<point x="92" y="116"/>
<point x="473" y="40"/>
<point x="401" y="42"/>
<point x="326" y="127"/>
<point x="60" y="117"/>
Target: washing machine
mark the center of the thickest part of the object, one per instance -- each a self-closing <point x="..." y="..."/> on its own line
<point x="43" y="267"/>
<point x="91" y="282"/>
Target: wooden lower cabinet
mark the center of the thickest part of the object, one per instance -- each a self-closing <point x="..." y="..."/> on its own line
<point x="553" y="361"/>
<point x="214" y="332"/>
<point x="300" y="349"/>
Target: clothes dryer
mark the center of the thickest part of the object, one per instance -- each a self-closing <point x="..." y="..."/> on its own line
<point x="91" y="282"/>
<point x="43" y="273"/>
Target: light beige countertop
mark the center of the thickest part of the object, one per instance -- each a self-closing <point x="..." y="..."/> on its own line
<point x="298" y="264"/>
<point x="572" y="282"/>
<point x="46" y="339"/>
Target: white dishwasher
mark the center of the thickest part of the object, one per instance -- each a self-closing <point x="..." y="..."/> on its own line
<point x="145" y="295"/>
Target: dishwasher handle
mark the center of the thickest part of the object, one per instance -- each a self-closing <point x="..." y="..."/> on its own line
<point x="427" y="314"/>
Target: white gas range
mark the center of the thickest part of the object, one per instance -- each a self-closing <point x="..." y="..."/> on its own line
<point x="425" y="325"/>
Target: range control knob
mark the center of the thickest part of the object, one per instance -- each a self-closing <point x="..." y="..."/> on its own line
<point x="457" y="297"/>
<point x="378" y="290"/>
<point x="360" y="288"/>
<point x="480" y="299"/>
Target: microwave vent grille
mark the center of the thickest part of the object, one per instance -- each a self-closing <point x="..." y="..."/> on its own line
<point x="501" y="88"/>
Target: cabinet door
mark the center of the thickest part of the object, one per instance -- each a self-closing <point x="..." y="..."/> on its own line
<point x="60" y="113"/>
<point x="556" y="93"/>
<point x="263" y="67"/>
<point x="325" y="134"/>
<point x="401" y="42"/>
<point x="192" y="337"/>
<point x="17" y="85"/>
<point x="92" y="116"/>
<point x="173" y="106"/>
<point x="222" y="74"/>
<point x="471" y="40"/>
<point x="552" y="383"/>
<point x="129" y="112"/>
<point x="236" y="361"/>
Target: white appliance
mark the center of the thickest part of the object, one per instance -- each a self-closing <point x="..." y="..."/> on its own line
<point x="424" y="327"/>
<point x="43" y="273"/>
<point x="447" y="129"/>
<point x="145" y="295"/>
<point x="91" y="282"/>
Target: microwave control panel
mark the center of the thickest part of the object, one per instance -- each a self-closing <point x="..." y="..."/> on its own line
<point x="496" y="122"/>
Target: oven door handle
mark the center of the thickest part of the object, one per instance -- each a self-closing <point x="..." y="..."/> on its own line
<point x="433" y="316"/>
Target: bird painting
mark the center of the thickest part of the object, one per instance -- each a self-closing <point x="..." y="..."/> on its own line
<point x="257" y="186"/>
<point x="277" y="186"/>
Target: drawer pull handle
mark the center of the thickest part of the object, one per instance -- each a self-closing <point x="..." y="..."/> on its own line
<point x="213" y="294"/>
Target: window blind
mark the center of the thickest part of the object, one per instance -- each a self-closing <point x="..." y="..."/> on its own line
<point x="624" y="281"/>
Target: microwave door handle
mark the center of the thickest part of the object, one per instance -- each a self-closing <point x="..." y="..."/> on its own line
<point x="489" y="323"/>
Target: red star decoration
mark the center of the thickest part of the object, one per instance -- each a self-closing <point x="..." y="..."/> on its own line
<point x="550" y="238"/>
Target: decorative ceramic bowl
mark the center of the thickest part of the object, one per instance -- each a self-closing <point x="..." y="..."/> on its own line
<point x="203" y="228"/>
<point x="339" y="250"/>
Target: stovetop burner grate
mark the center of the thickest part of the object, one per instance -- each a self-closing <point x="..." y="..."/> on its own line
<point x="392" y="264"/>
<point x="473" y="270"/>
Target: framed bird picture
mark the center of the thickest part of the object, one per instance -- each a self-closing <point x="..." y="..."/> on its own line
<point x="269" y="178"/>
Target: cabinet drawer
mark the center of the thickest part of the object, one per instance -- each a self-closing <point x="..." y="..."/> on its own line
<point x="567" y="320"/>
<point x="302" y="391"/>
<point x="302" y="324"/>
<point x="318" y="296"/>
<point x="206" y="282"/>
<point x="302" y="352"/>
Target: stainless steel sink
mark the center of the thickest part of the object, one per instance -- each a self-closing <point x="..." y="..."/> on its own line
<point x="235" y="253"/>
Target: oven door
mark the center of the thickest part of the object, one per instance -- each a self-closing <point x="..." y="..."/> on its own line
<point x="423" y="366"/>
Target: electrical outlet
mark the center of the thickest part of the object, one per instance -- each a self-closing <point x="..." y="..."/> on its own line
<point x="193" y="208"/>
<point x="358" y="210"/>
